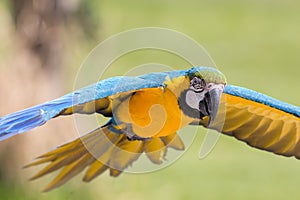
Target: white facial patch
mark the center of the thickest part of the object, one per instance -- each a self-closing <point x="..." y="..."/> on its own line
<point x="192" y="99"/>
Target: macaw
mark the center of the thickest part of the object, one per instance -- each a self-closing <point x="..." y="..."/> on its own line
<point x="145" y="112"/>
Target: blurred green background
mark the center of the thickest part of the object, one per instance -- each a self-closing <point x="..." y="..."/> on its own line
<point x="256" y="44"/>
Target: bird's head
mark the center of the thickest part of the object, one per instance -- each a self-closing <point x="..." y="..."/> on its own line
<point x="202" y="97"/>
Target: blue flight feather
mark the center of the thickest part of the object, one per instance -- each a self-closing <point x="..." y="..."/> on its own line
<point x="262" y="98"/>
<point x="32" y="117"/>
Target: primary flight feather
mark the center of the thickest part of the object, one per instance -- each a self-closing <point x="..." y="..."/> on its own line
<point x="144" y="114"/>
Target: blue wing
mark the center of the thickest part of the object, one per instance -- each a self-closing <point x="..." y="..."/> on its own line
<point x="262" y="98"/>
<point x="30" y="118"/>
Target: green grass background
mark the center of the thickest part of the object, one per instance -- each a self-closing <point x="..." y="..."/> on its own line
<point x="256" y="44"/>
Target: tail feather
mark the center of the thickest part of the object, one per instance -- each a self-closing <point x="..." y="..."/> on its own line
<point x="101" y="150"/>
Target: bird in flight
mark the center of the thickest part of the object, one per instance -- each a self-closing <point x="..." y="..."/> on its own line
<point x="144" y="114"/>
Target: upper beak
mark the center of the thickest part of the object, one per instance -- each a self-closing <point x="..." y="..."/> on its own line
<point x="213" y="100"/>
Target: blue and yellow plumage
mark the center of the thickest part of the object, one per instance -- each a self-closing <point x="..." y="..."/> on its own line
<point x="146" y="111"/>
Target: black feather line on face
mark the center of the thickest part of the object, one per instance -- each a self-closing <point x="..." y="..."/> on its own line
<point x="187" y="110"/>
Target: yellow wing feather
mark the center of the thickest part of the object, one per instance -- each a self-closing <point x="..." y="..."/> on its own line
<point x="70" y="171"/>
<point x="155" y="150"/>
<point x="260" y="126"/>
<point x="100" y="150"/>
<point x="173" y="141"/>
<point x="124" y="154"/>
<point x="99" y="166"/>
<point x="103" y="106"/>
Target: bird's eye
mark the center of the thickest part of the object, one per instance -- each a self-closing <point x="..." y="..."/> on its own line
<point x="197" y="84"/>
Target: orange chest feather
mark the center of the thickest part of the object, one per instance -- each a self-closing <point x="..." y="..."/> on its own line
<point x="153" y="112"/>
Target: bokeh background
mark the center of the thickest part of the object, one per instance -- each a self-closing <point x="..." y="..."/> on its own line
<point x="256" y="44"/>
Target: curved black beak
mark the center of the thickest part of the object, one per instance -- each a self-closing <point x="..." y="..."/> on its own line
<point x="212" y="101"/>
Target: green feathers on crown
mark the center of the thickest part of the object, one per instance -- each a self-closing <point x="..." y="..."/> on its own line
<point x="208" y="74"/>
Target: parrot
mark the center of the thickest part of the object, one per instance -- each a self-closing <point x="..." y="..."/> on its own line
<point x="144" y="114"/>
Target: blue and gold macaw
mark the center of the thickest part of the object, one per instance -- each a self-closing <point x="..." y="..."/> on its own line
<point x="144" y="114"/>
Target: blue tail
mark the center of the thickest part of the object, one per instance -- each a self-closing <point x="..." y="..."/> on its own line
<point x="30" y="118"/>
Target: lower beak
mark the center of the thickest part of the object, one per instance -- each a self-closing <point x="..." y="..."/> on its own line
<point x="213" y="101"/>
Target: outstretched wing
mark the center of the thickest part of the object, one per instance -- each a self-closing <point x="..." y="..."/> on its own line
<point x="261" y="121"/>
<point x="90" y="99"/>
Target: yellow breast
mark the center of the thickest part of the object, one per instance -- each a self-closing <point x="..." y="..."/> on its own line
<point x="153" y="112"/>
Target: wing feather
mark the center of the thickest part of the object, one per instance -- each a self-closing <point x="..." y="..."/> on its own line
<point x="86" y="100"/>
<point x="266" y="123"/>
<point x="155" y="150"/>
<point x="90" y="99"/>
